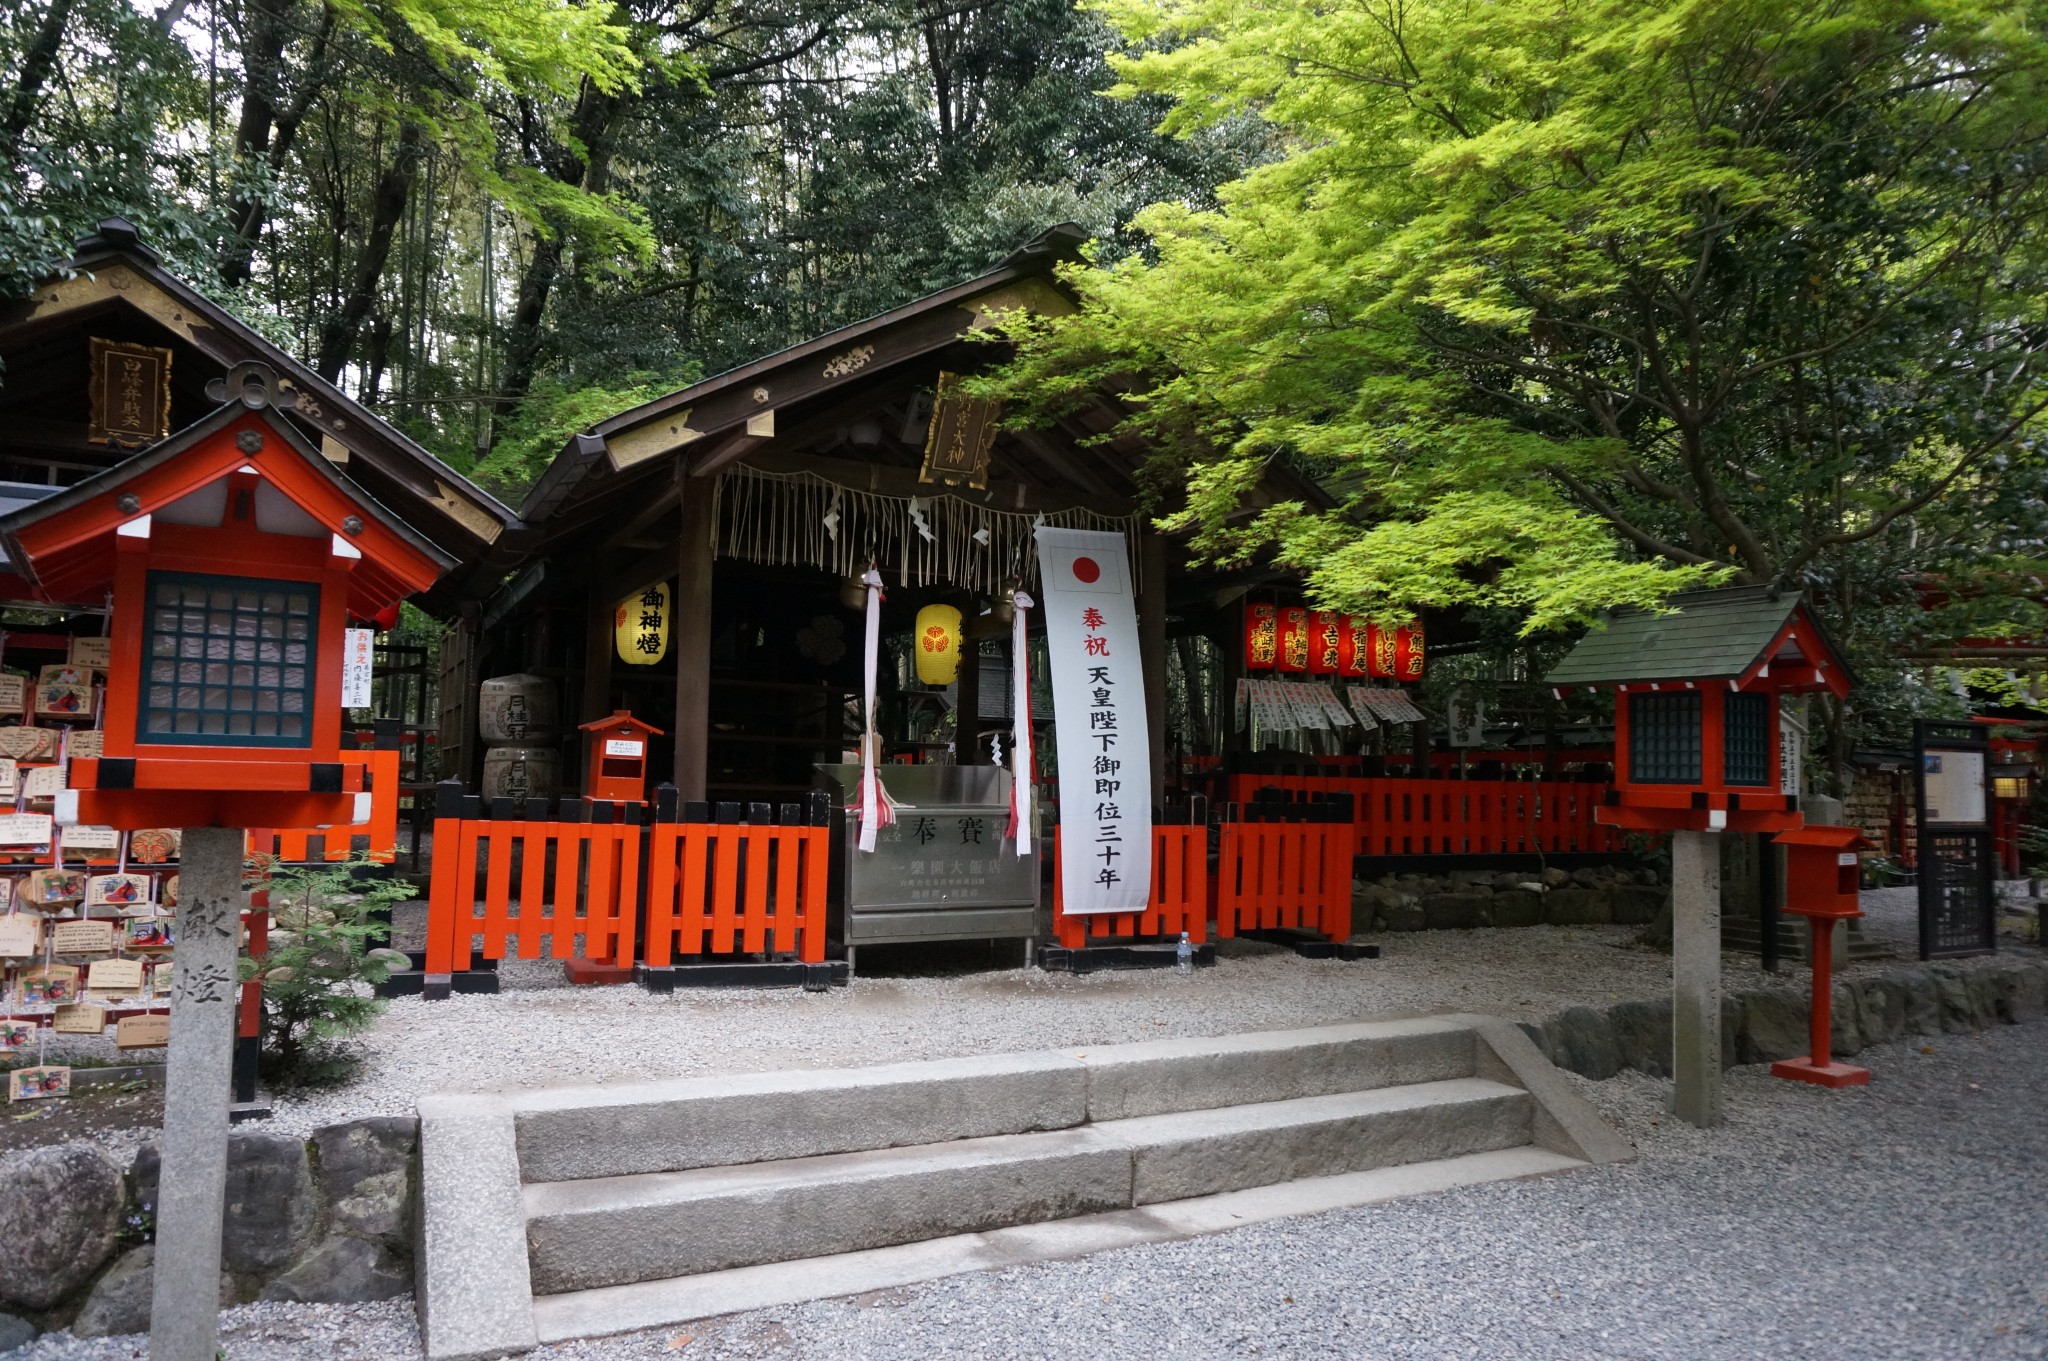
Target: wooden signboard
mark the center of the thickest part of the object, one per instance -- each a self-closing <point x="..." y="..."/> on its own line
<point x="84" y="838"/>
<point x="21" y="935"/>
<point x="151" y="1030"/>
<point x="49" y="984"/>
<point x="16" y="1036"/>
<point x="42" y="782"/>
<point x="123" y="976"/>
<point x="29" y="744"/>
<point x="82" y="938"/>
<point x="130" y="393"/>
<point x="25" y="829"/>
<point x="13" y="694"/>
<point x="79" y="1018"/>
<point x="119" y="891"/>
<point x="86" y="743"/>
<point x="47" y="887"/>
<point x="95" y="653"/>
<point x="33" y="1084"/>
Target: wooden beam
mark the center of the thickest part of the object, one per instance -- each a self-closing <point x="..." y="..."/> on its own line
<point x="596" y="701"/>
<point x="1152" y="649"/>
<point x="893" y="481"/>
<point x="690" y="638"/>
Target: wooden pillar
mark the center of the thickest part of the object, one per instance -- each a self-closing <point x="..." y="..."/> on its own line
<point x="690" y="637"/>
<point x="967" y="747"/>
<point x="1152" y="649"/>
<point x="598" y="645"/>
<point x="1696" y="977"/>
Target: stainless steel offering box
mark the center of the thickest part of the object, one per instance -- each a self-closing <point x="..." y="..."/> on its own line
<point x="943" y="870"/>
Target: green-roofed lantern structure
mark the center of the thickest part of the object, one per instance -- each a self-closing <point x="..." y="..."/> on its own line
<point x="1696" y="711"/>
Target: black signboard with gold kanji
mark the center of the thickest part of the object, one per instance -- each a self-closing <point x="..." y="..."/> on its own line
<point x="963" y="432"/>
<point x="130" y="393"/>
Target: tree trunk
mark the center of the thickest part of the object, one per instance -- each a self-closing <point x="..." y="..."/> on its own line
<point x="36" y="65"/>
<point x="387" y="206"/>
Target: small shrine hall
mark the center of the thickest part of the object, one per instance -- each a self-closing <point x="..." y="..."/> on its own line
<point x="697" y="561"/>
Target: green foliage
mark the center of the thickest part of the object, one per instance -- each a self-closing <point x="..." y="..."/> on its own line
<point x="1575" y="306"/>
<point x="319" y="970"/>
<point x="553" y="411"/>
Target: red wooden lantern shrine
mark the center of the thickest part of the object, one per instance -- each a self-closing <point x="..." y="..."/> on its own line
<point x="1823" y="877"/>
<point x="1696" y="715"/>
<point x="618" y="758"/>
<point x="236" y="555"/>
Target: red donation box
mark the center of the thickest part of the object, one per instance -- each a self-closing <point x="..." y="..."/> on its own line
<point x="235" y="555"/>
<point x="618" y="758"/>
<point x="1823" y="877"/>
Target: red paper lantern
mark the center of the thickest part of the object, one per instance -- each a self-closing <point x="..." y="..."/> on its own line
<point x="1261" y="637"/>
<point x="1379" y="651"/>
<point x="1353" y="642"/>
<point x="1294" y="648"/>
<point x="1325" y="643"/>
<point x="1408" y="652"/>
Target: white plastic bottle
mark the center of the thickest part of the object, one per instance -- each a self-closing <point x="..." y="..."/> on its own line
<point x="1184" y="957"/>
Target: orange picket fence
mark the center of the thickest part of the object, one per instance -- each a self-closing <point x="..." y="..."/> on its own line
<point x="1395" y="815"/>
<point x="295" y="845"/>
<point x="1179" y="900"/>
<point x="1285" y="875"/>
<point x="501" y="885"/>
<point x="721" y="888"/>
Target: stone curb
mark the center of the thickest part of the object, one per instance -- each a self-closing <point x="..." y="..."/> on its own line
<point x="1767" y="1024"/>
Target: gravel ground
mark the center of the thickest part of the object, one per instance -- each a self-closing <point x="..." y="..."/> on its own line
<point x="1899" y="1221"/>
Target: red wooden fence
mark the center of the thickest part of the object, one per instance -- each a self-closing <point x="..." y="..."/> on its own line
<point x="727" y="888"/>
<point x="1179" y="900"/>
<point x="1284" y="875"/>
<point x="1394" y="815"/>
<point x="294" y="845"/>
<point x="510" y="883"/>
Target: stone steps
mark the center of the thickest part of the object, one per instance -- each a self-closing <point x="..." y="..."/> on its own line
<point x="620" y="1230"/>
<point x="548" y="1205"/>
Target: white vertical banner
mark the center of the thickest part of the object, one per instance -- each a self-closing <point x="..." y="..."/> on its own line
<point x="356" y="658"/>
<point x="1098" y="691"/>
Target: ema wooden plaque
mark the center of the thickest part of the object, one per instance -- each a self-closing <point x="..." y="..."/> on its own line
<point x="79" y="1018"/>
<point x="152" y="1030"/>
<point x="122" y="976"/>
<point x="82" y="938"/>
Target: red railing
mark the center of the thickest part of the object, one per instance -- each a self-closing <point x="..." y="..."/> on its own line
<point x="1394" y="815"/>
<point x="1284" y="876"/>
<point x="1179" y="900"/>
<point x="731" y="888"/>
<point x="295" y="845"/>
<point x="500" y="886"/>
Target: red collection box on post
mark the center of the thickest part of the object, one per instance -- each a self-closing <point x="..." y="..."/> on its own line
<point x="1823" y="877"/>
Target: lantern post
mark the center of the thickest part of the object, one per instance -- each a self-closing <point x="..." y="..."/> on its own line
<point x="1696" y="748"/>
<point x="235" y="555"/>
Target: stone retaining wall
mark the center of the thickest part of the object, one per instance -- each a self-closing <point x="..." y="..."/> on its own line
<point x="1767" y="1024"/>
<point x="323" y="1220"/>
<point x="1465" y="899"/>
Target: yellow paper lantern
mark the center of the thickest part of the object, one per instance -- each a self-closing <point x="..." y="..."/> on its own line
<point x="640" y="626"/>
<point x="937" y="644"/>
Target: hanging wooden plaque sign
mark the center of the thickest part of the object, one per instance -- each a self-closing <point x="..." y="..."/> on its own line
<point x="151" y="1030"/>
<point x="962" y="435"/>
<point x="130" y="392"/>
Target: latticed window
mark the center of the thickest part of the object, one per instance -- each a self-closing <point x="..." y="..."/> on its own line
<point x="1664" y="738"/>
<point x="231" y="661"/>
<point x="1746" y="738"/>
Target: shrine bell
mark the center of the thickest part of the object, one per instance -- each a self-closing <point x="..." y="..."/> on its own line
<point x="1823" y="881"/>
<point x="1696" y="733"/>
<point x="618" y="758"/>
<point x="235" y="555"/>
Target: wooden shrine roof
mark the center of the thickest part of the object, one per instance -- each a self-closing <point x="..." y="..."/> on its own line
<point x="849" y="407"/>
<point x="1720" y="634"/>
<point x="118" y="290"/>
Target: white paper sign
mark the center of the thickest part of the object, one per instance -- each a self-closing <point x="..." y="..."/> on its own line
<point x="622" y="746"/>
<point x="1098" y="690"/>
<point x="1953" y="786"/>
<point x="356" y="653"/>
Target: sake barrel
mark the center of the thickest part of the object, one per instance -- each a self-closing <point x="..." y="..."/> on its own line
<point x="515" y="711"/>
<point x="522" y="773"/>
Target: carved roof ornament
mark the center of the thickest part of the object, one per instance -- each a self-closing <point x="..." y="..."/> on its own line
<point x="255" y="385"/>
